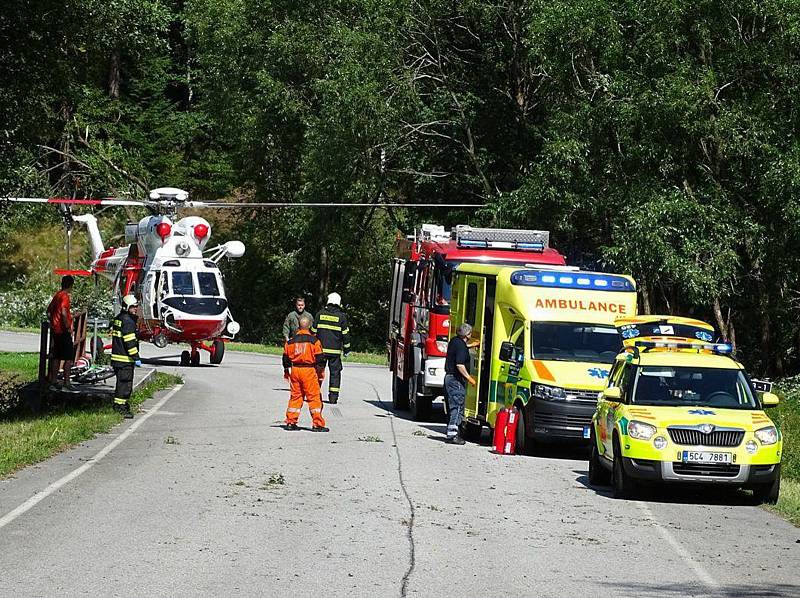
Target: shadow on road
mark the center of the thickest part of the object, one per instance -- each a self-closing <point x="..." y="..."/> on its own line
<point x="173" y="361"/>
<point x="689" y="494"/>
<point x="729" y="590"/>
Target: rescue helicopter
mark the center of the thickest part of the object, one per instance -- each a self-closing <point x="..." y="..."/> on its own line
<point x="167" y="264"/>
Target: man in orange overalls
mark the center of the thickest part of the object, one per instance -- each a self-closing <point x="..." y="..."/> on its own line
<point x="304" y="367"/>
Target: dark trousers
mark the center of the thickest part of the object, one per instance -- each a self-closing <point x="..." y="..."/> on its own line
<point x="124" y="387"/>
<point x="335" y="368"/>
<point x="456" y="398"/>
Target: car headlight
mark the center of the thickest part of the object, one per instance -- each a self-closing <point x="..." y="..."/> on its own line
<point x="549" y="393"/>
<point x="767" y="436"/>
<point x="640" y="430"/>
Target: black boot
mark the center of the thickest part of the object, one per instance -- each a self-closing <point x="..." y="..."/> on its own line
<point x="124" y="409"/>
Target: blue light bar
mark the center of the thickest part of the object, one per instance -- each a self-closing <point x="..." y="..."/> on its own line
<point x="717" y="348"/>
<point x="572" y="280"/>
<point x="513" y="245"/>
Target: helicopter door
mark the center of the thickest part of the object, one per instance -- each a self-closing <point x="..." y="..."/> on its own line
<point x="150" y="296"/>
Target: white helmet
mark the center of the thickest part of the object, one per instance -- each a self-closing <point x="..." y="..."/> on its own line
<point x="334" y="299"/>
<point x="129" y="301"/>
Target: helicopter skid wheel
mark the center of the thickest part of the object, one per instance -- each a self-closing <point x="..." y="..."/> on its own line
<point x="185" y="358"/>
<point x="217" y="351"/>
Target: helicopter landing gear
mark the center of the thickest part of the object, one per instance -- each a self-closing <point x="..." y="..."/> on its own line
<point x="195" y="357"/>
<point x="217" y="351"/>
<point x="185" y="358"/>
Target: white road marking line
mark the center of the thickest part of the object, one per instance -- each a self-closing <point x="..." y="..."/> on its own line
<point x="60" y="483"/>
<point x="703" y="575"/>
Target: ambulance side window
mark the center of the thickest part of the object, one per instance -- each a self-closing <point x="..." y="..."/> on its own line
<point x="518" y="336"/>
<point x="613" y="377"/>
<point x="472" y="304"/>
<point x="626" y="381"/>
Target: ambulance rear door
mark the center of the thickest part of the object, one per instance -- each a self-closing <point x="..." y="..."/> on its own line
<point x="474" y="310"/>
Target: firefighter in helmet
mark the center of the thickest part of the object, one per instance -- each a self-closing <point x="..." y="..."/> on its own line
<point x="304" y="367"/>
<point x="125" y="353"/>
<point x="333" y="332"/>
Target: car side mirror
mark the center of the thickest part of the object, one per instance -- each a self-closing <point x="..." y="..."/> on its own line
<point x="769" y="399"/>
<point x="507" y="352"/>
<point x="612" y="393"/>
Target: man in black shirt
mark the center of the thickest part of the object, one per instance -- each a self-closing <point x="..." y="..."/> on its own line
<point x="456" y="369"/>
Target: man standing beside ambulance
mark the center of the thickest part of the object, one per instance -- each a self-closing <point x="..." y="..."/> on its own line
<point x="456" y="378"/>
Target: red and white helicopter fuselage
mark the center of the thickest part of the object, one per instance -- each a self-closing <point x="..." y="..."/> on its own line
<point x="176" y="280"/>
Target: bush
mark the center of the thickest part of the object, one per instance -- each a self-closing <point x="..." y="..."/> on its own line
<point x="787" y="416"/>
<point x="25" y="304"/>
<point x="11" y="386"/>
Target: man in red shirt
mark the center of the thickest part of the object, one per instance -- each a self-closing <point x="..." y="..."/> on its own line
<point x="60" y="318"/>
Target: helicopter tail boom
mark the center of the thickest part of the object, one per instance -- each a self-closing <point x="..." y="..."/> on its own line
<point x="94" y="233"/>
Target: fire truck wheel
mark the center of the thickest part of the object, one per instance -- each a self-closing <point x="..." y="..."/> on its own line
<point x="419" y="405"/>
<point x="399" y="394"/>
<point x="185" y="358"/>
<point x="218" y="352"/>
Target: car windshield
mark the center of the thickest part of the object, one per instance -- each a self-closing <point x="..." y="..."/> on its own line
<point x="565" y="341"/>
<point x="208" y="283"/>
<point x="182" y="283"/>
<point x="669" y="386"/>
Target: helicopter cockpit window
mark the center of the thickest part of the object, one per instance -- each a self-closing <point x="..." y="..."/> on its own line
<point x="210" y="264"/>
<point x="182" y="283"/>
<point x="208" y="283"/>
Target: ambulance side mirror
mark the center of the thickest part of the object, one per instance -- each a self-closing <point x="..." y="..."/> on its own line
<point x="612" y="393"/>
<point x="507" y="351"/>
<point x="769" y="400"/>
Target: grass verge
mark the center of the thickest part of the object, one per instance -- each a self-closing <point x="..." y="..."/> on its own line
<point x="29" y="439"/>
<point x="24" y="365"/>
<point x="354" y="357"/>
<point x="788" y="505"/>
<point x="787" y="417"/>
<point x="30" y="329"/>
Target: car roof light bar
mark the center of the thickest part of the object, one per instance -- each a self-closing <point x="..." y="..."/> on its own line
<point x="717" y="348"/>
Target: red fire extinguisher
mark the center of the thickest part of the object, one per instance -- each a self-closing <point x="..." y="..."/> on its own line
<point x="505" y="431"/>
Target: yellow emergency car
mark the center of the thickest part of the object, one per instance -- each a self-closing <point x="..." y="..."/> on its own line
<point x="679" y="408"/>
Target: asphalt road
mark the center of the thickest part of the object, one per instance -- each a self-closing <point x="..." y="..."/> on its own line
<point x="204" y="493"/>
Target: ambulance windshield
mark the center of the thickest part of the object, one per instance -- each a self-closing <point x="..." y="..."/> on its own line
<point x="566" y="341"/>
<point x="669" y="386"/>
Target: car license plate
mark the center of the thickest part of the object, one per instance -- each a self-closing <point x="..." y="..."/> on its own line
<point x="705" y="457"/>
<point x="587" y="432"/>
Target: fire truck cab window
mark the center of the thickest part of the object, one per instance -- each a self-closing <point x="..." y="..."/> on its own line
<point x="472" y="303"/>
<point x="182" y="283"/>
<point x="208" y="283"/>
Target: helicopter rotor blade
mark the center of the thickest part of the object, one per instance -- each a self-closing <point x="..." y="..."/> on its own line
<point x="109" y="201"/>
<point x="297" y="204"/>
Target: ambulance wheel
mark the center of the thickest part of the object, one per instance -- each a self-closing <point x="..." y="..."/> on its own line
<point x="185" y="359"/>
<point x="598" y="475"/>
<point x="623" y="485"/>
<point x="419" y="405"/>
<point x="768" y="493"/>
<point x="471" y="430"/>
<point x="399" y="394"/>
<point x="195" y="358"/>
<point x="217" y="352"/>
<point x="522" y="444"/>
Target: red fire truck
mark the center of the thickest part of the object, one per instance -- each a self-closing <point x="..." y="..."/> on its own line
<point x="419" y="319"/>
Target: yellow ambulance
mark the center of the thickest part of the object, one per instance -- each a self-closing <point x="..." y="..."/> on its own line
<point x="678" y="408"/>
<point x="545" y="343"/>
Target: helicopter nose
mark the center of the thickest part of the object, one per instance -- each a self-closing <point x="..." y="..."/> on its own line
<point x="201" y="329"/>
